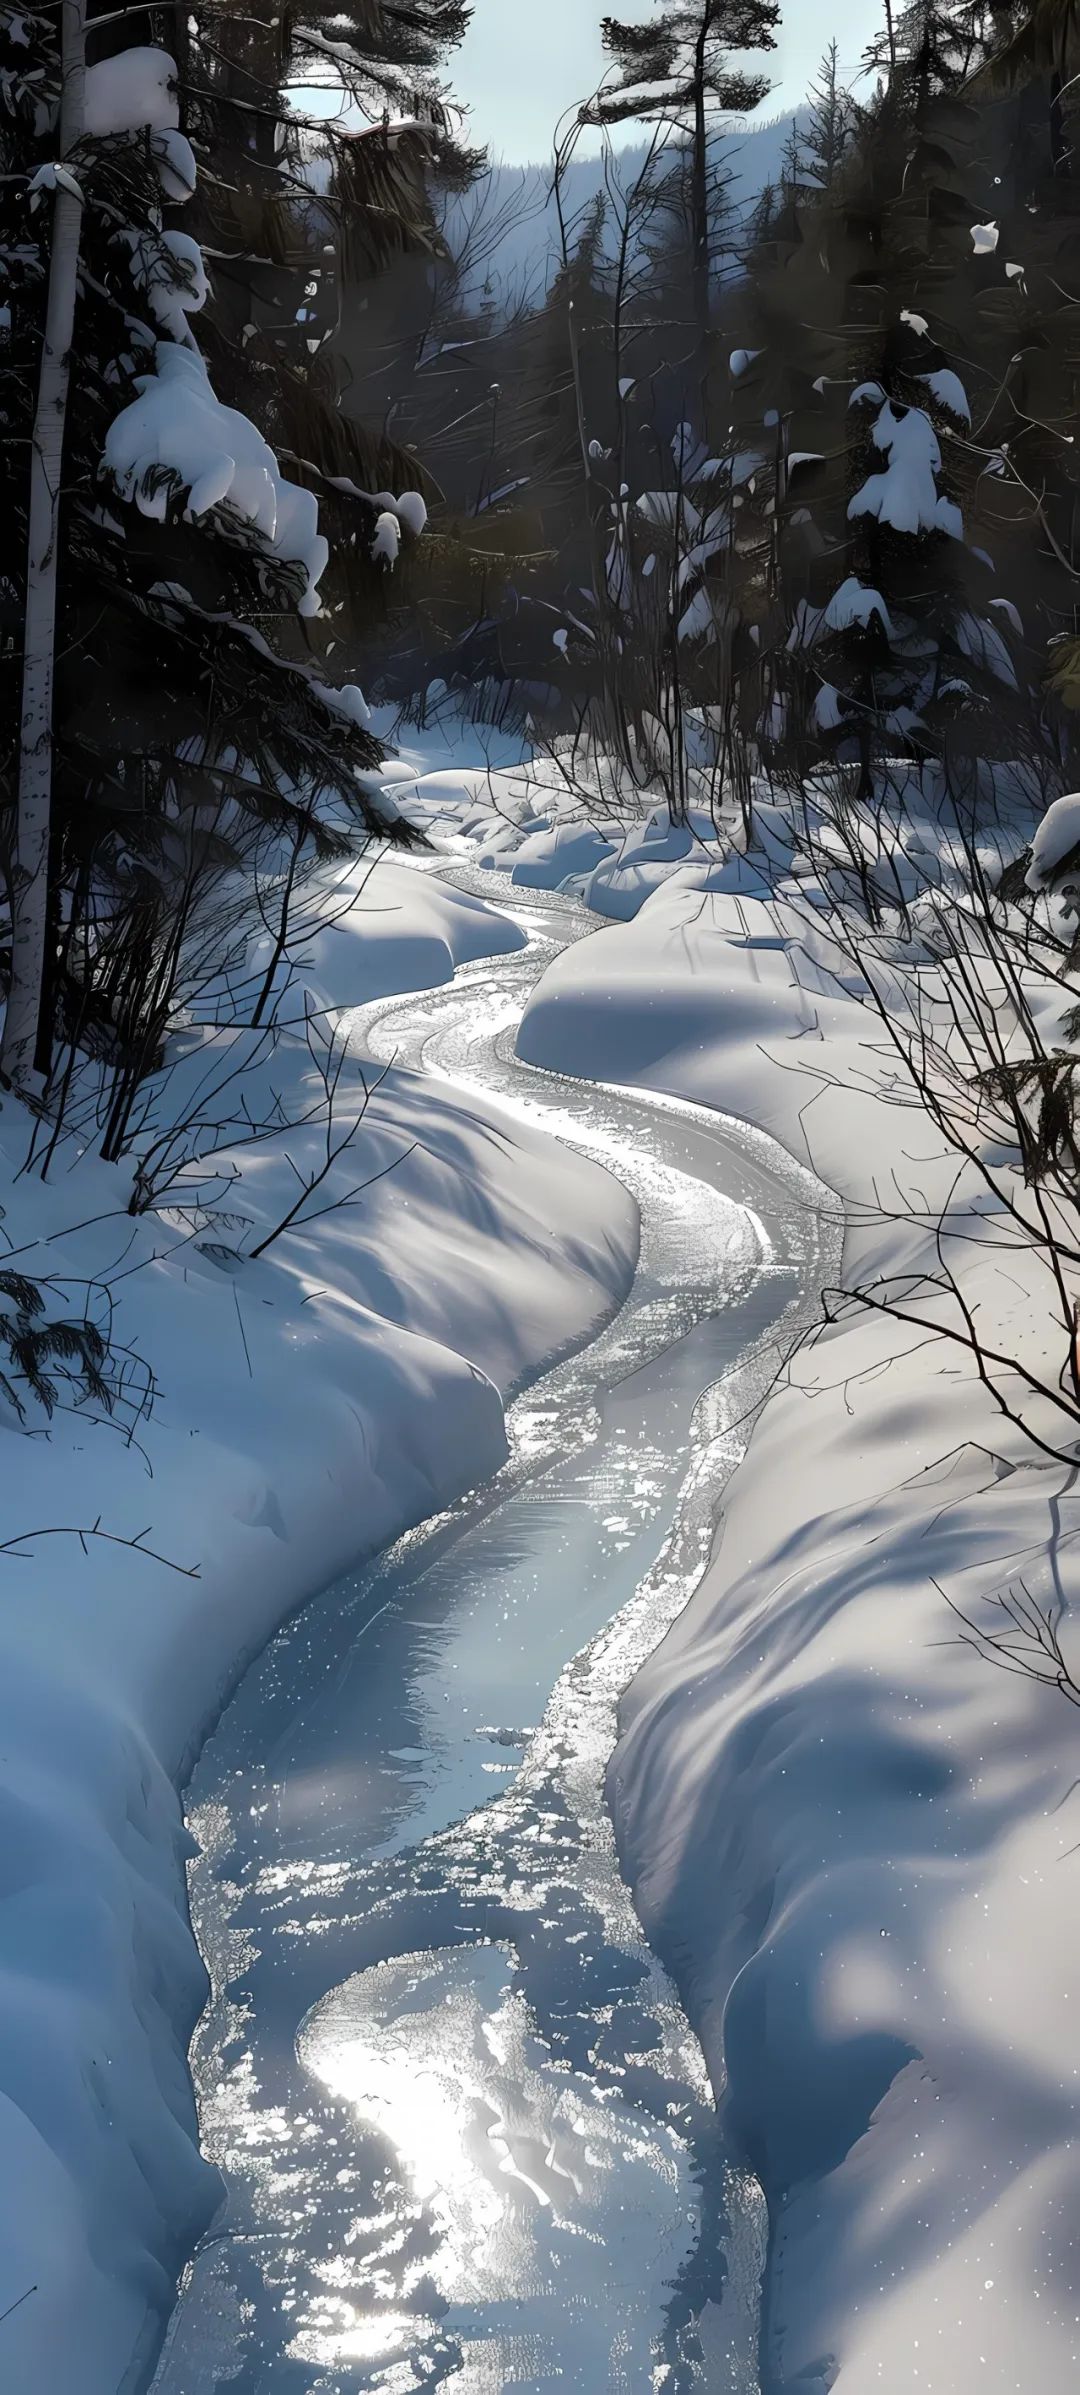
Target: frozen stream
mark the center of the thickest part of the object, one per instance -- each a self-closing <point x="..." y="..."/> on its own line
<point x="465" y="2129"/>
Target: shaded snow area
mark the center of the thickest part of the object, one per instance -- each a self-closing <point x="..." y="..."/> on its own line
<point x="552" y="825"/>
<point x="851" y="1838"/>
<point x="311" y="1402"/>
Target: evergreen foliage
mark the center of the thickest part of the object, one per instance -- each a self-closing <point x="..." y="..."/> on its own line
<point x="195" y="734"/>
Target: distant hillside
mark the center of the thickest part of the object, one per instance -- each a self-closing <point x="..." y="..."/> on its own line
<point x="508" y="227"/>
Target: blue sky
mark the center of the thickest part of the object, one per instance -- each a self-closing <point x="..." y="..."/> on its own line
<point x="524" y="61"/>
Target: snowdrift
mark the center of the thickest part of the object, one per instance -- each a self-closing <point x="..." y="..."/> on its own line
<point x="312" y="1401"/>
<point x="852" y="1839"/>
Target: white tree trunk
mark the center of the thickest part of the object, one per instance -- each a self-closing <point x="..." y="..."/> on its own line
<point x="31" y="859"/>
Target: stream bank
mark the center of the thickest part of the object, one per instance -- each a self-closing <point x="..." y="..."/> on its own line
<point x="465" y="2129"/>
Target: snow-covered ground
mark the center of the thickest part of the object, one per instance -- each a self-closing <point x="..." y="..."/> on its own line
<point x="310" y="1403"/>
<point x="850" y="1836"/>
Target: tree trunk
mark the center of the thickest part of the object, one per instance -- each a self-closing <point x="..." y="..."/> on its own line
<point x="699" y="198"/>
<point x="30" y="873"/>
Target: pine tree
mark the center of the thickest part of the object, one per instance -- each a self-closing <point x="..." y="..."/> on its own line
<point x="676" y="71"/>
<point x="178" y="739"/>
<point x="825" y="135"/>
<point x="884" y="628"/>
<point x="1044" y="45"/>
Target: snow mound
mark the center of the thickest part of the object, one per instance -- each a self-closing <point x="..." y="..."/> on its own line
<point x="845" y="1832"/>
<point x="368" y="931"/>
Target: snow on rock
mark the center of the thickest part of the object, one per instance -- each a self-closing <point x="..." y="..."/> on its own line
<point x="558" y="856"/>
<point x="136" y="88"/>
<point x="846" y="1833"/>
<point x="905" y="494"/>
<point x="622" y="881"/>
<point x="217" y="455"/>
<point x="694" y="861"/>
<point x="313" y="1403"/>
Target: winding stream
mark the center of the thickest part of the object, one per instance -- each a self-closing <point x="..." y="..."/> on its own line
<point x="465" y="2128"/>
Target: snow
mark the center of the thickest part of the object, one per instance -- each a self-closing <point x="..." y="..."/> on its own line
<point x="411" y="510"/>
<point x="386" y="539"/>
<point x="828" y="712"/>
<point x="1012" y="615"/>
<point x="54" y="177"/>
<point x="138" y="87"/>
<point x="171" y="269"/>
<point x="216" y="455"/>
<point x="558" y="858"/>
<point x="360" y="932"/>
<point x="983" y="643"/>
<point x="347" y="700"/>
<point x="1056" y="836"/>
<point x="906" y="495"/>
<point x="175" y="164"/>
<point x="620" y="884"/>
<point x="947" y="388"/>
<point x="311" y="1404"/>
<point x="846" y="1833"/>
<point x="854" y="603"/>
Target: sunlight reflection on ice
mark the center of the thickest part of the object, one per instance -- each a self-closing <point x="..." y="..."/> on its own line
<point x="466" y="2128"/>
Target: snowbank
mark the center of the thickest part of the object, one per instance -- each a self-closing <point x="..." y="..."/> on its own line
<point x="851" y="1838"/>
<point x="364" y="931"/>
<point x="311" y="1402"/>
<point x="598" y="836"/>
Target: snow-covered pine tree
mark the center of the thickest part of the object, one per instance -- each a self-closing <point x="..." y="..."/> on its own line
<point x="178" y="735"/>
<point x="891" y="634"/>
<point x="302" y="213"/>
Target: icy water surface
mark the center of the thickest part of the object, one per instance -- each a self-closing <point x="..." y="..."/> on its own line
<point x="465" y="2129"/>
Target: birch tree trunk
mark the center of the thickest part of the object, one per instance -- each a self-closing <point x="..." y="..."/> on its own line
<point x="30" y="864"/>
